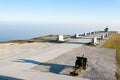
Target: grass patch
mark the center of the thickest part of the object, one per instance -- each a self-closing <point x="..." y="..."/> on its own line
<point x="114" y="43"/>
<point x="48" y="38"/>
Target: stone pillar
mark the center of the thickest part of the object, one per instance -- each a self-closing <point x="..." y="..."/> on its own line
<point x="118" y="32"/>
<point x="94" y="41"/>
<point x="85" y="34"/>
<point x="102" y="36"/>
<point x="76" y="35"/>
<point x="60" y="38"/>
<point x="106" y="35"/>
<point x="89" y="33"/>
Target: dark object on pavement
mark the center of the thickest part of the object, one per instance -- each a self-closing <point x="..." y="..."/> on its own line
<point x="79" y="65"/>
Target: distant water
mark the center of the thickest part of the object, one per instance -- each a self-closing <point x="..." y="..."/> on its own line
<point x="19" y="32"/>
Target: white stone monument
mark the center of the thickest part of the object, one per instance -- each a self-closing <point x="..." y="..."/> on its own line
<point x="85" y="34"/>
<point x="94" y="41"/>
<point x="89" y="33"/>
<point x="102" y="36"/>
<point x="76" y="35"/>
<point x="118" y="32"/>
<point x="60" y="38"/>
<point x="106" y="35"/>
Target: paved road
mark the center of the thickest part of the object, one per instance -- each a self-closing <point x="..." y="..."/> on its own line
<point x="19" y="67"/>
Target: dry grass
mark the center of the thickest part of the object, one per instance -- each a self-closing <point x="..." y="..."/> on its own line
<point x="114" y="42"/>
<point x="39" y="39"/>
<point x="49" y="38"/>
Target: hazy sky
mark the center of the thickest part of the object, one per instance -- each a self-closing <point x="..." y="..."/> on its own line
<point x="60" y="11"/>
<point x="38" y="17"/>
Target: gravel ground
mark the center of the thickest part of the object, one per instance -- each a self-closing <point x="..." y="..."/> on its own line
<point x="101" y="63"/>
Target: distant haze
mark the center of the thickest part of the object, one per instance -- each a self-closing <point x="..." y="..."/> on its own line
<point x="27" y="31"/>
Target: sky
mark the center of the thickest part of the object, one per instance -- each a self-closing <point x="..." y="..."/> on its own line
<point x="78" y="13"/>
<point x="60" y="11"/>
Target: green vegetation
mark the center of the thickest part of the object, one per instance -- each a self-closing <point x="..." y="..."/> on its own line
<point x="114" y="42"/>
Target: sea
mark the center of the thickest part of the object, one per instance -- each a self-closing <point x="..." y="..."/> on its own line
<point x="27" y="31"/>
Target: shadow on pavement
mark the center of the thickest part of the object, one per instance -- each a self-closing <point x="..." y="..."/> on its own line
<point x="54" y="68"/>
<point x="8" y="78"/>
<point x="76" y="43"/>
